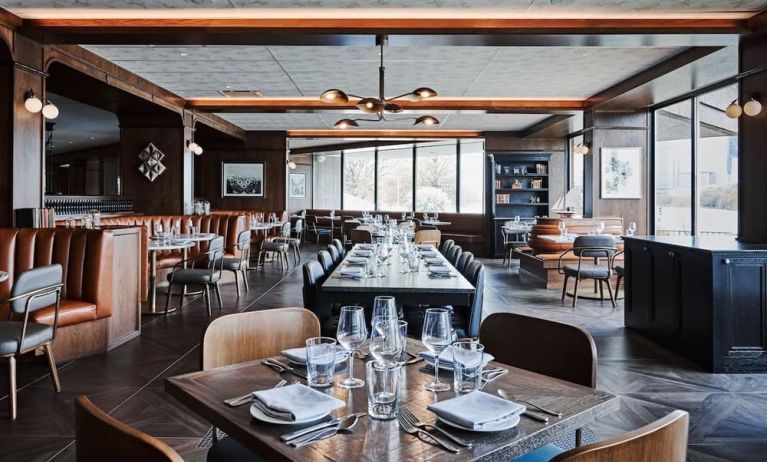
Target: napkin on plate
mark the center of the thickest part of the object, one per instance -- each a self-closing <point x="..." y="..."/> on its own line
<point x="429" y="254"/>
<point x="356" y="260"/>
<point x="425" y="246"/>
<point x="366" y="246"/>
<point x="297" y="402"/>
<point x="356" y="271"/>
<point x="298" y="355"/>
<point x="440" y="270"/>
<point x="446" y="357"/>
<point x="362" y="253"/>
<point x="477" y="410"/>
<point x="434" y="261"/>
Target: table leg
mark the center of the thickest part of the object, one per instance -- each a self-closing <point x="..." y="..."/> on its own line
<point x="152" y="282"/>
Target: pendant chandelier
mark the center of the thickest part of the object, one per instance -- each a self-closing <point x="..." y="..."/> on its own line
<point x="380" y="106"/>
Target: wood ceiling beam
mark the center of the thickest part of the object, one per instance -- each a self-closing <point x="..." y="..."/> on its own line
<point x="385" y="133"/>
<point x="312" y="104"/>
<point x="758" y="22"/>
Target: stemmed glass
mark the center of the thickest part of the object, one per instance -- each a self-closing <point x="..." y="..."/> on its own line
<point x="562" y="228"/>
<point x="384" y="306"/>
<point x="601" y="227"/>
<point x="632" y="228"/>
<point x="351" y="334"/>
<point x="385" y="341"/>
<point x="436" y="336"/>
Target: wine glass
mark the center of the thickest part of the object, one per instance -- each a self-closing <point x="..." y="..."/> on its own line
<point x="351" y="334"/>
<point x="601" y="227"/>
<point x="632" y="228"/>
<point x="386" y="341"/>
<point x="562" y="228"/>
<point x="384" y="306"/>
<point x="437" y="335"/>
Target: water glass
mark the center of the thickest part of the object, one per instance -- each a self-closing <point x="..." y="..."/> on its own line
<point x="413" y="263"/>
<point x="383" y="390"/>
<point x="467" y="366"/>
<point x="320" y="361"/>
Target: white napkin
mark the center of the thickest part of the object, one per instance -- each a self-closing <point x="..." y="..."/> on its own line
<point x="362" y="253"/>
<point x="352" y="271"/>
<point x="477" y="410"/>
<point x="298" y="401"/>
<point x="429" y="254"/>
<point x="441" y="270"/>
<point x="356" y="260"/>
<point x="446" y="357"/>
<point x="425" y="247"/>
<point x="366" y="246"/>
<point x="434" y="261"/>
<point x="298" y="355"/>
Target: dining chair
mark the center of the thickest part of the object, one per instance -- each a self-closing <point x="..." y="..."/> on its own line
<point x="277" y="245"/>
<point x="446" y="246"/>
<point x="239" y="265"/>
<point x="298" y="230"/>
<point x="509" y="239"/>
<point x="454" y="254"/>
<point x="470" y="273"/>
<point x="426" y="228"/>
<point x="428" y="236"/>
<point x="100" y="437"/>
<point x="313" y="228"/>
<point x="361" y="236"/>
<point x="589" y="247"/>
<point x="463" y="261"/>
<point x="620" y="271"/>
<point x="335" y="255"/>
<point x="346" y="229"/>
<point x="663" y="440"/>
<point x="242" y="337"/>
<point x="325" y="260"/>
<point x="33" y="290"/>
<point x="340" y="246"/>
<point x="314" y="275"/>
<point x="467" y="318"/>
<point x="293" y="243"/>
<point x="190" y="272"/>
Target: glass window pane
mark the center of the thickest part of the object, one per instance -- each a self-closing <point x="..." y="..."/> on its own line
<point x="326" y="180"/>
<point x="673" y="171"/>
<point x="359" y="179"/>
<point x="717" y="164"/>
<point x="574" y="197"/>
<point x="435" y="177"/>
<point x="395" y="178"/>
<point x="472" y="176"/>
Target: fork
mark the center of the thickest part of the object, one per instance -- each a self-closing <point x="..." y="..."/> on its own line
<point x="407" y="414"/>
<point x="411" y="429"/>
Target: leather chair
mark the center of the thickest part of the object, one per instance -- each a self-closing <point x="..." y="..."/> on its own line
<point x="663" y="440"/>
<point x="204" y="270"/>
<point x="334" y="254"/>
<point x="454" y="254"/>
<point x="470" y="272"/>
<point x="340" y="246"/>
<point x="325" y="260"/>
<point x="589" y="247"/>
<point x="445" y="248"/>
<point x="278" y="245"/>
<point x="34" y="290"/>
<point x="467" y="319"/>
<point x="317" y="231"/>
<point x="428" y="236"/>
<point x="463" y="261"/>
<point x="298" y="230"/>
<point x="239" y="265"/>
<point x="314" y="275"/>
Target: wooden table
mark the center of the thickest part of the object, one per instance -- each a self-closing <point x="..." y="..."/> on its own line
<point x="375" y="440"/>
<point x="409" y="288"/>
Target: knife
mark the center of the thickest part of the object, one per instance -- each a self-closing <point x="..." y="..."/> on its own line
<point x="284" y="367"/>
<point x="305" y="431"/>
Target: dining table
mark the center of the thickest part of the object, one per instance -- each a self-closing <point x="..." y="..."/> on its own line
<point x="204" y="393"/>
<point x="410" y="288"/>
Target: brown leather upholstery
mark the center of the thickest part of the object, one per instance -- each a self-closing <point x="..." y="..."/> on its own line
<point x="86" y="259"/>
<point x="228" y="226"/>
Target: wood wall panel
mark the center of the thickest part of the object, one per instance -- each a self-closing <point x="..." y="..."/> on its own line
<point x="6" y="132"/>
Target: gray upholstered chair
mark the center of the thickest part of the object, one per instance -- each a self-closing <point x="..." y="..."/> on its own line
<point x="620" y="271"/>
<point x="239" y="265"/>
<point x="340" y="246"/>
<point x="592" y="249"/>
<point x="202" y="270"/>
<point x="454" y="254"/>
<point x="294" y="243"/>
<point x="334" y="254"/>
<point x="325" y="260"/>
<point x="463" y="261"/>
<point x="446" y="246"/>
<point x="298" y="230"/>
<point x="278" y="245"/>
<point x="313" y="228"/>
<point x="33" y="290"/>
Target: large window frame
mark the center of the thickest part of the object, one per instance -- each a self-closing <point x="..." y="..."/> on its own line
<point x="414" y="146"/>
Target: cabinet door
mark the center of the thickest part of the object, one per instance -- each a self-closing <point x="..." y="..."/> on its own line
<point x="744" y="305"/>
<point x="666" y="300"/>
<point x="639" y="284"/>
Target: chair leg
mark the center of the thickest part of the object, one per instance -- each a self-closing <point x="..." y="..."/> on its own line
<point x="168" y="299"/>
<point x="206" y="295"/>
<point x="575" y="292"/>
<point x="52" y="367"/>
<point x="564" y="287"/>
<point x="578" y="437"/>
<point x="237" y="282"/>
<point x="218" y="296"/>
<point x="601" y="290"/>
<point x="610" y="292"/>
<point x="12" y="385"/>
<point x="618" y="285"/>
<point x="245" y="279"/>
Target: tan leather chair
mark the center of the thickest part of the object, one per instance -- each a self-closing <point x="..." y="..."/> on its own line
<point x="428" y="236"/>
<point x="242" y="337"/>
<point x="100" y="437"/>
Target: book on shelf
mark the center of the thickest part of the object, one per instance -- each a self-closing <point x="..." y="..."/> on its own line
<point x="35" y="218"/>
<point x="502" y="198"/>
<point x="540" y="169"/>
<point x="497" y="184"/>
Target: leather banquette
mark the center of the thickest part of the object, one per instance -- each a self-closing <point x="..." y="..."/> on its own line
<point x="228" y="226"/>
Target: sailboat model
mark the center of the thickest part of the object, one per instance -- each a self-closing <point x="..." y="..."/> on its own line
<point x="571" y="202"/>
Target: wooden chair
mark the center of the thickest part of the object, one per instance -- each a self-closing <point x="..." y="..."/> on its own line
<point x="663" y="440"/>
<point x="100" y="437"/>
<point x="428" y="236"/>
<point x="318" y="231"/>
<point x="242" y="337"/>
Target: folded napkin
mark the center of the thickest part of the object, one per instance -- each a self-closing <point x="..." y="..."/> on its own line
<point x="477" y="410"/>
<point x="356" y="260"/>
<point x="425" y="247"/>
<point x="446" y="357"/>
<point x="298" y="355"/>
<point x="352" y="271"/>
<point x="296" y="402"/>
<point x="429" y="254"/>
<point x="441" y="270"/>
<point x="362" y="253"/>
<point x="366" y="246"/>
<point x="434" y="261"/>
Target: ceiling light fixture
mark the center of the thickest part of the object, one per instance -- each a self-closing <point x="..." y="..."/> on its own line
<point x="291" y="164"/>
<point x="752" y="107"/>
<point x="50" y="111"/>
<point x="32" y="102"/>
<point x="380" y="105"/>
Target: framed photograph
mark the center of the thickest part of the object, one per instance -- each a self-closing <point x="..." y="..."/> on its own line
<point x="240" y="179"/>
<point x="621" y="173"/>
<point x="297" y="184"/>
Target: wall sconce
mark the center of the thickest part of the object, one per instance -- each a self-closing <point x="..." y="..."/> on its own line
<point x="34" y="104"/>
<point x="581" y="148"/>
<point x="194" y="147"/>
<point x="752" y="108"/>
<point x="291" y="164"/>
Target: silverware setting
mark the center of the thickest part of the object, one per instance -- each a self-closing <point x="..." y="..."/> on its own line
<point x="511" y="397"/>
<point x="410" y="417"/>
<point x="424" y="435"/>
<point x="248" y="397"/>
<point x="320" y="426"/>
<point x="281" y="367"/>
<point x="528" y="414"/>
<point x="323" y="434"/>
<point x="491" y="375"/>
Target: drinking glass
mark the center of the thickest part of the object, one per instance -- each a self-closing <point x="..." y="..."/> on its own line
<point x="320" y="361"/>
<point x="403" y="338"/>
<point x="436" y="216"/>
<point x="632" y="228"/>
<point x="601" y="227"/>
<point x="467" y="366"/>
<point x="352" y="332"/>
<point x="384" y="306"/>
<point x="383" y="390"/>
<point x="436" y="336"/>
<point x="385" y="340"/>
<point x="413" y="263"/>
<point x="157" y="230"/>
<point x="562" y="228"/>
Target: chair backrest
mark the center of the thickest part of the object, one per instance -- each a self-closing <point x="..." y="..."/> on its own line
<point x="470" y="272"/>
<point x="298" y="227"/>
<point x="325" y="260"/>
<point x="243" y="246"/>
<point x="463" y="261"/>
<point x="594" y="246"/>
<point x="100" y="437"/>
<point x="39" y="287"/>
<point x="475" y="310"/>
<point x="446" y="246"/>
<point x="665" y="439"/>
<point x="314" y="274"/>
<point x="215" y="252"/>
<point x="334" y="254"/>
<point x="339" y="246"/>
<point x="428" y="236"/>
<point x="242" y="337"/>
<point x="285" y="229"/>
<point x="361" y="236"/>
<point x="454" y="254"/>
<point x="514" y="339"/>
<point x="311" y="222"/>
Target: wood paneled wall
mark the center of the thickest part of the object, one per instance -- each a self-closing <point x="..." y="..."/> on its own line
<point x="267" y="147"/>
<point x="6" y="133"/>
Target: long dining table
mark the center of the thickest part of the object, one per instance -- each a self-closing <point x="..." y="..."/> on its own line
<point x="377" y="440"/>
<point x="419" y="288"/>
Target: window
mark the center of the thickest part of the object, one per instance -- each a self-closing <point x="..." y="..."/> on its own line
<point x="435" y="173"/>
<point x="395" y="178"/>
<point x="574" y="196"/>
<point x="359" y="179"/>
<point x="472" y="175"/>
<point x="326" y="192"/>
<point x="673" y="169"/>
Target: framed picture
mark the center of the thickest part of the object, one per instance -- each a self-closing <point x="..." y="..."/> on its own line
<point x="297" y="185"/>
<point x="240" y="179"/>
<point x="621" y="172"/>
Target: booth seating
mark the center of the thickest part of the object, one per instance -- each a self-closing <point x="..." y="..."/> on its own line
<point x="227" y="225"/>
<point x="99" y="307"/>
